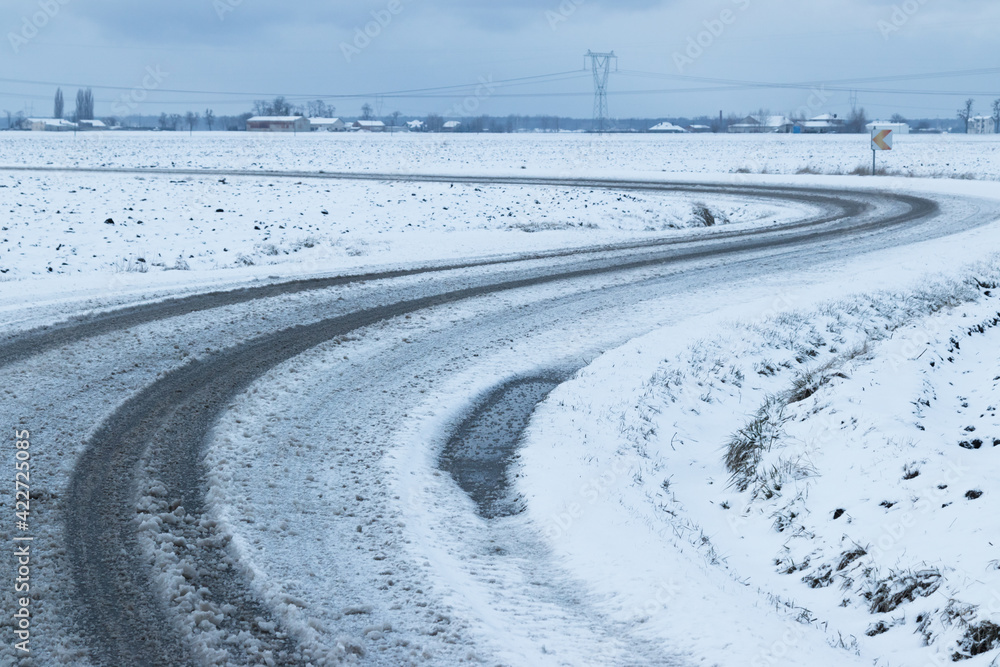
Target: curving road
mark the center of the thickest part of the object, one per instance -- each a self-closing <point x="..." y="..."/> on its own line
<point x="150" y="430"/>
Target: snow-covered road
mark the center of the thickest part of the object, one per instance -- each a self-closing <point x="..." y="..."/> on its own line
<point x="254" y="477"/>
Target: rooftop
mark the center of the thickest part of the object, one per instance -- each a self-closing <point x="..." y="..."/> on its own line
<point x="275" y="119"/>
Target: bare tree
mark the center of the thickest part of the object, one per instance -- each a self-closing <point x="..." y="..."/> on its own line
<point x="394" y="116"/>
<point x="965" y="113"/>
<point x="279" y="106"/>
<point x="84" y="104"/>
<point x="434" y="122"/>
<point x="857" y="121"/>
<point x="191" y="118"/>
<point x="366" y="111"/>
<point x="319" y="109"/>
<point x="996" y="116"/>
<point x="164" y="121"/>
<point x="174" y="120"/>
<point x="209" y="118"/>
<point x="59" y="106"/>
<point x="15" y="120"/>
<point x="897" y="118"/>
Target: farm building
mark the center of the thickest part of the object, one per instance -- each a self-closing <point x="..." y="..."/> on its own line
<point x="92" y="126"/>
<point x="327" y="124"/>
<point x="897" y="128"/>
<point x="50" y="125"/>
<point x="982" y="125"/>
<point x="278" y="124"/>
<point x="825" y="124"/>
<point x="452" y="126"/>
<point x="667" y="128"/>
<point x="762" y="124"/>
<point x="415" y="125"/>
<point x="369" y="125"/>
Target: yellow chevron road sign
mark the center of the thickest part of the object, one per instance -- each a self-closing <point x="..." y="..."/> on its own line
<point x="882" y="141"/>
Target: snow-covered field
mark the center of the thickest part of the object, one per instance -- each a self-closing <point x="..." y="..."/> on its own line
<point x="83" y="224"/>
<point x="565" y="154"/>
<point x="776" y="463"/>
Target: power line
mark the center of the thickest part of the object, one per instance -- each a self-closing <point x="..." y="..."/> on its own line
<point x="828" y="85"/>
<point x="989" y="71"/>
<point x="724" y="84"/>
<point x="599" y="71"/>
<point x="415" y="92"/>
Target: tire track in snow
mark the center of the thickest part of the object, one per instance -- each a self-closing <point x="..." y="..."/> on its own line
<point x="24" y="345"/>
<point x="124" y="620"/>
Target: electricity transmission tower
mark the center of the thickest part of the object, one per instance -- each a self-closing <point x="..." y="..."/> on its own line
<point x="600" y="64"/>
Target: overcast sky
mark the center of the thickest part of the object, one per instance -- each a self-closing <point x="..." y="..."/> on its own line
<point x="318" y="48"/>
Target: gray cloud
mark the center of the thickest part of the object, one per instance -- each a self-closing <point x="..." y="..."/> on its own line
<point x="295" y="47"/>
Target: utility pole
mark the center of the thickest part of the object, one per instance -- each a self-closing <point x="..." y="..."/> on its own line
<point x="600" y="64"/>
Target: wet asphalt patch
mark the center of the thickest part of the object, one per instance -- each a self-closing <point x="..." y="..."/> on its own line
<point x="480" y="454"/>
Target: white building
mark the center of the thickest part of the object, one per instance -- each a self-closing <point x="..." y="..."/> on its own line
<point x="825" y="124"/>
<point x="982" y="125"/>
<point x="452" y="126"/>
<point x="369" y="125"/>
<point x="278" y="124"/>
<point x="762" y="124"/>
<point x="897" y="128"/>
<point x="415" y="125"/>
<point x="92" y="126"/>
<point x="327" y="125"/>
<point x="667" y="128"/>
<point x="50" y="125"/>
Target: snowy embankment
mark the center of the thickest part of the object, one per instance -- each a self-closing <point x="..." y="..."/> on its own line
<point x="837" y="464"/>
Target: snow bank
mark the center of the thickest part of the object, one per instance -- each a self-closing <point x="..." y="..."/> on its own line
<point x="832" y="464"/>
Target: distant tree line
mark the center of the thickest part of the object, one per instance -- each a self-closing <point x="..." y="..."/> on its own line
<point x="856" y="121"/>
<point x="280" y="106"/>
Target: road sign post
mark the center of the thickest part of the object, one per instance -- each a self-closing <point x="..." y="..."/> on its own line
<point x="881" y="141"/>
